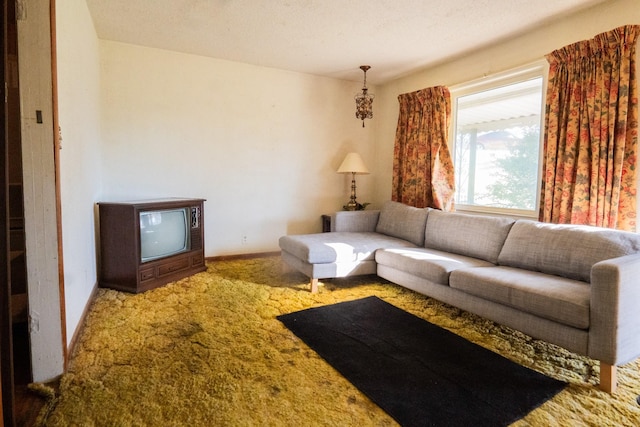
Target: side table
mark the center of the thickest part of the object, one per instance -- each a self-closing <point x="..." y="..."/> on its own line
<point x="326" y="223"/>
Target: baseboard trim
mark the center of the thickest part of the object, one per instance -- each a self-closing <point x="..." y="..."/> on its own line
<point x="242" y="256"/>
<point x="76" y="334"/>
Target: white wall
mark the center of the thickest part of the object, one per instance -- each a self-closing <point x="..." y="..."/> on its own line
<point x="261" y="145"/>
<point x="512" y="53"/>
<point x="80" y="165"/>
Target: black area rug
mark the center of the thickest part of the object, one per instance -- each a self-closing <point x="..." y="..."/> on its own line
<point x="419" y="373"/>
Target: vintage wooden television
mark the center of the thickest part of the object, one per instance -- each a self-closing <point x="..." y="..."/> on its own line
<point x="148" y="243"/>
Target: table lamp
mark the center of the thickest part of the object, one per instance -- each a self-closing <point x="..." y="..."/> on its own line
<point x="353" y="164"/>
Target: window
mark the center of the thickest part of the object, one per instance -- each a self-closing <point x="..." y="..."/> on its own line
<point x="497" y="142"/>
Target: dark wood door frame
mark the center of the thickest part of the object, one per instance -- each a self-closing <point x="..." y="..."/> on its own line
<point x="56" y="158"/>
<point x="6" y="360"/>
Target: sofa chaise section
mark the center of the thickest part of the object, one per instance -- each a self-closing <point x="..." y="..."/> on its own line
<point x="349" y="249"/>
<point x="336" y="254"/>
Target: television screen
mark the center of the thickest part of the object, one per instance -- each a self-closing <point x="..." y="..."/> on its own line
<point x="163" y="233"/>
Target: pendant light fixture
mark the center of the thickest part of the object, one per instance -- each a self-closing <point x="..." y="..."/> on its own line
<point x="364" y="100"/>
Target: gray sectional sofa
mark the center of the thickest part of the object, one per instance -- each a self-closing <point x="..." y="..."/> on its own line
<point x="574" y="286"/>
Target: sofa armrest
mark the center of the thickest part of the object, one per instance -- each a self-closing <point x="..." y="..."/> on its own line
<point x="614" y="333"/>
<point x="355" y="221"/>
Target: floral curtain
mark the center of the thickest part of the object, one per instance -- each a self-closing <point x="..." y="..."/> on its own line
<point x="591" y="132"/>
<point x="422" y="165"/>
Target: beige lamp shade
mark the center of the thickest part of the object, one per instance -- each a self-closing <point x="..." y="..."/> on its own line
<point x="353" y="164"/>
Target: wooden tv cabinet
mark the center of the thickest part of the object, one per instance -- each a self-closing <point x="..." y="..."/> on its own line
<point x="122" y="267"/>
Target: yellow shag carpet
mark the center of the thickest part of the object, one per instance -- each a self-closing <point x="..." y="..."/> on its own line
<point x="208" y="351"/>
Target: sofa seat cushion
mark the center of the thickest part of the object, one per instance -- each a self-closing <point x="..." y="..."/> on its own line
<point x="345" y="246"/>
<point x="564" y="250"/>
<point x="403" y="221"/>
<point x="429" y="264"/>
<point x="471" y="235"/>
<point x="555" y="298"/>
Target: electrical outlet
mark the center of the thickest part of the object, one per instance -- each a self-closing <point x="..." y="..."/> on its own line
<point x="244" y="240"/>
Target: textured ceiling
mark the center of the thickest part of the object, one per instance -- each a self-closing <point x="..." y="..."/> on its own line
<point x="325" y="37"/>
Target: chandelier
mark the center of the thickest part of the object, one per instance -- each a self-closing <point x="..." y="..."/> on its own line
<point x="364" y="100"/>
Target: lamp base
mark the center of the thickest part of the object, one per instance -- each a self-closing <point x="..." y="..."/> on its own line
<point x="351" y="206"/>
<point x="355" y="206"/>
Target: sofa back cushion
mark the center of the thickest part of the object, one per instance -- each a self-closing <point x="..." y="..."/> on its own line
<point x="564" y="250"/>
<point x="477" y="236"/>
<point x="355" y="221"/>
<point x="403" y="221"/>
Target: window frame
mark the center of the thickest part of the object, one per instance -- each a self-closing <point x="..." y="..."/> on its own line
<point x="537" y="69"/>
